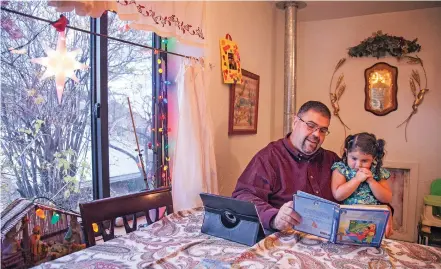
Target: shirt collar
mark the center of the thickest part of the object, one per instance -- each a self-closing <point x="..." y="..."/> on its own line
<point x="299" y="156"/>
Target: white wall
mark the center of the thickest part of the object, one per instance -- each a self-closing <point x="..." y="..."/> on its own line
<point x="251" y="25"/>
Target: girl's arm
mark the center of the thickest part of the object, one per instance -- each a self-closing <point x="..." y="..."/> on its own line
<point x="380" y="189"/>
<point x="342" y="189"/>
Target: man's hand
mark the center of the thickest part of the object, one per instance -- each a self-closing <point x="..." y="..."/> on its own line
<point x="286" y="217"/>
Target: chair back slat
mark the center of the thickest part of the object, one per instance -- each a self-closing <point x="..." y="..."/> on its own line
<point x="147" y="217"/>
<point x="127" y="226"/>
<point x="107" y="234"/>
<point x="110" y="208"/>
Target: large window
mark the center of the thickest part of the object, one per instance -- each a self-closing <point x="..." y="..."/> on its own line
<point x="85" y="147"/>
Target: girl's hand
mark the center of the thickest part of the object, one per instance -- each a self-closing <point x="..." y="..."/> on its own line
<point x="368" y="173"/>
<point x="361" y="176"/>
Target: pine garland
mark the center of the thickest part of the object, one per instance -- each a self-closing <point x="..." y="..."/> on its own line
<point x="379" y="44"/>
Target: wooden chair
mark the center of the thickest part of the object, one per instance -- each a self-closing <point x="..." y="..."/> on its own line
<point x="108" y="209"/>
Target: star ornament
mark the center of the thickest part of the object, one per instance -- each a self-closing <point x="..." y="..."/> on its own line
<point x="61" y="64"/>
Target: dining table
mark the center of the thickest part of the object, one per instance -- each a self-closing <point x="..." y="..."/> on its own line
<point x="176" y="241"/>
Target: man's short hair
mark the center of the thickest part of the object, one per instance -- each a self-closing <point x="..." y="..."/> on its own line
<point x="317" y="107"/>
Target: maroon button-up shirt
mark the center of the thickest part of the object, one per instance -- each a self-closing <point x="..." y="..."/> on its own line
<point x="278" y="171"/>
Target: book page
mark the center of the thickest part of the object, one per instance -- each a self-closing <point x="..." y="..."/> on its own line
<point x="317" y="216"/>
<point x="311" y="196"/>
<point x="361" y="226"/>
<point x="367" y="207"/>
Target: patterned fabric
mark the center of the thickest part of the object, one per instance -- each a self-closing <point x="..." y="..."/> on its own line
<point x="363" y="194"/>
<point x="176" y="242"/>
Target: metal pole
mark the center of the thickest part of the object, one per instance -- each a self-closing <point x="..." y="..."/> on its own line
<point x="290" y="54"/>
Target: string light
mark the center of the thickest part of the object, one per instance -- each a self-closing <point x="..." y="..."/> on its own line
<point x="161" y="143"/>
<point x="95" y="227"/>
<point x="40" y="213"/>
<point x="55" y="218"/>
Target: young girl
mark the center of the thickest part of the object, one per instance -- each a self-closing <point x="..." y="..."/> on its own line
<point x="359" y="178"/>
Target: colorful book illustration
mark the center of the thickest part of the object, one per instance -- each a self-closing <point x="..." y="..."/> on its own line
<point x="363" y="225"/>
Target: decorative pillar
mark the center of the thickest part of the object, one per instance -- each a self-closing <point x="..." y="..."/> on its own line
<point x="290" y="55"/>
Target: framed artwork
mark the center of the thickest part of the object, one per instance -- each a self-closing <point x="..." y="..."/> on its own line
<point x="381" y="89"/>
<point x="244" y="104"/>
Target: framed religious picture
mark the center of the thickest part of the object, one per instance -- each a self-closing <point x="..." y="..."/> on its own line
<point x="244" y="104"/>
<point x="381" y="89"/>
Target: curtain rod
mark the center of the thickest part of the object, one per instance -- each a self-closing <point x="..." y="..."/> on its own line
<point x="101" y="35"/>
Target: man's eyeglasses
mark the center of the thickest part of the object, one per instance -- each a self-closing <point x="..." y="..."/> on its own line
<point x="312" y="127"/>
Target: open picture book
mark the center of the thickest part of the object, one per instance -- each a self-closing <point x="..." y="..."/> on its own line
<point x="362" y="225"/>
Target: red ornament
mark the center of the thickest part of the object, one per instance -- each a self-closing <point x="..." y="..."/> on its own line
<point x="61" y="23"/>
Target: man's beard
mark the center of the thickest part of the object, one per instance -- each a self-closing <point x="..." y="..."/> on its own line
<point x="310" y="144"/>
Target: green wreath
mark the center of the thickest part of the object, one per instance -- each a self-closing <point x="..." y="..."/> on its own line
<point x="379" y="44"/>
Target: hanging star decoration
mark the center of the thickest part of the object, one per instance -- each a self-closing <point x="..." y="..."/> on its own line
<point x="60" y="62"/>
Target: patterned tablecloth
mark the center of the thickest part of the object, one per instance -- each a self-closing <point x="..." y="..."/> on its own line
<point x="176" y="242"/>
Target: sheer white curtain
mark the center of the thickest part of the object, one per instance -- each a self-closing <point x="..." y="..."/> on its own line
<point x="194" y="168"/>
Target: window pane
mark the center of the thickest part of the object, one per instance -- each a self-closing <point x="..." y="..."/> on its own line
<point x="130" y="75"/>
<point x="45" y="146"/>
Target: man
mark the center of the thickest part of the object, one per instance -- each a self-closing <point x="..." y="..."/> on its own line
<point x="296" y="162"/>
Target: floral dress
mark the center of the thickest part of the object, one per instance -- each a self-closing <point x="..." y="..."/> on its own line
<point x="363" y="194"/>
